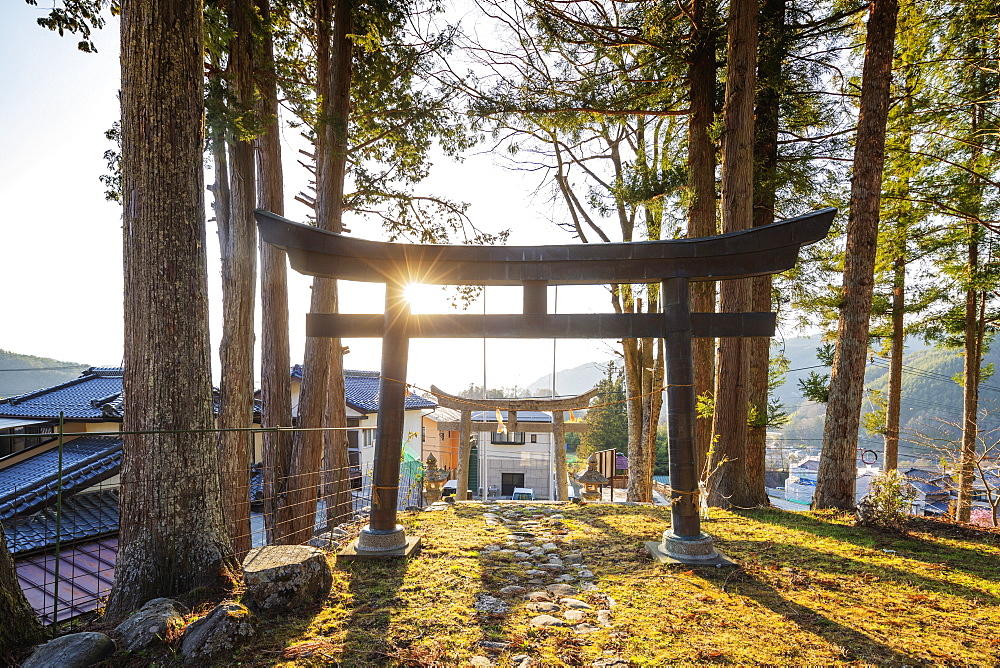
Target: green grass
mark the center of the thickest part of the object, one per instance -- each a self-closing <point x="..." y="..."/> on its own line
<point x="811" y="589"/>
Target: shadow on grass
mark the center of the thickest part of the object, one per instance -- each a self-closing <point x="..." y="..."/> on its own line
<point x="972" y="561"/>
<point x="855" y="645"/>
<point x="374" y="588"/>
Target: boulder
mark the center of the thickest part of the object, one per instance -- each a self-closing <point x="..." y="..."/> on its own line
<point x="546" y="620"/>
<point x="283" y="577"/>
<point x="150" y="623"/>
<point x="562" y="590"/>
<point x="218" y="632"/>
<point x="76" y="650"/>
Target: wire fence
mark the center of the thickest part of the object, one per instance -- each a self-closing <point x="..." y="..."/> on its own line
<point x="60" y="501"/>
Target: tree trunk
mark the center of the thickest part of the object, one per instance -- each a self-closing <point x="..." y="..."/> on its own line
<point x="276" y="393"/>
<point x="970" y="388"/>
<point x="837" y="471"/>
<point x="701" y="215"/>
<point x="172" y="537"/>
<point x="20" y="625"/>
<point x="239" y="259"/>
<point x="895" y="388"/>
<point x="322" y="373"/>
<point x="727" y="486"/>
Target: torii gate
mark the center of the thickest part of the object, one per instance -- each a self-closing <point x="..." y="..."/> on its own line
<point x="558" y="428"/>
<point x="673" y="264"/>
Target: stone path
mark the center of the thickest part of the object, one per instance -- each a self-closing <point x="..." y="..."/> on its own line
<point x="551" y="574"/>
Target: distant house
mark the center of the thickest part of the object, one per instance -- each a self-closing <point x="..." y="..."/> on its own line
<point x="361" y="393"/>
<point x="501" y="462"/>
<point x="800" y="486"/>
<point x="936" y="492"/>
<point x="439" y="441"/>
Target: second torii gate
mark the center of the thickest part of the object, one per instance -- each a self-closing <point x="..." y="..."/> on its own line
<point x="673" y="264"/>
<point x="512" y="406"/>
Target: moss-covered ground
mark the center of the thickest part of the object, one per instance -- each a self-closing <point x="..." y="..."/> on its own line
<point x="811" y="589"/>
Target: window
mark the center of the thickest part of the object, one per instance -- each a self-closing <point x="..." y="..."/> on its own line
<point x="534" y="438"/>
<point x="510" y="481"/>
<point x="441" y="435"/>
<point x="510" y="438"/>
<point x="17" y="439"/>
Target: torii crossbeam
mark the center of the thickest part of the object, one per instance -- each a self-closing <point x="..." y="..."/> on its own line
<point x="674" y="263"/>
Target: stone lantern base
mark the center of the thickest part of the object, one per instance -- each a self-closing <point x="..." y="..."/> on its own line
<point x="692" y="551"/>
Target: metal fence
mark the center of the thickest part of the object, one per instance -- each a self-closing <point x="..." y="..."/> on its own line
<point x="59" y="508"/>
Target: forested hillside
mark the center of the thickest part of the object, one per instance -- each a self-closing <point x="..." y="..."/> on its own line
<point x="24" y="373"/>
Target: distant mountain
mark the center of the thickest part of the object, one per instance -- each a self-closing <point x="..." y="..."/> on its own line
<point x="577" y="380"/>
<point x="25" y="373"/>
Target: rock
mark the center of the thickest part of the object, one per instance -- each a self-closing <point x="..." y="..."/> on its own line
<point x="566" y="578"/>
<point x="526" y="564"/>
<point x="546" y="620"/>
<point x="604" y="617"/>
<point x="611" y="662"/>
<point x="217" y="632"/>
<point x="490" y="605"/>
<point x="556" y="516"/>
<point x="562" y="590"/>
<point x="585" y="627"/>
<point x="77" y="650"/>
<point x="493" y="646"/>
<point x="150" y="623"/>
<point x="574" y="615"/>
<point x="575" y="604"/>
<point x="542" y="606"/>
<point x="323" y="540"/>
<point x="585" y="574"/>
<point x="535" y="581"/>
<point x="554" y="568"/>
<point x="587" y="586"/>
<point x="513" y="590"/>
<point x="504" y="553"/>
<point x="539" y="596"/>
<point x="522" y="555"/>
<point x="284" y="577"/>
<point x="490" y="548"/>
<point x="521" y="661"/>
<point x="550" y="547"/>
<point x="481" y="662"/>
<point x="534" y="571"/>
<point x="573" y="559"/>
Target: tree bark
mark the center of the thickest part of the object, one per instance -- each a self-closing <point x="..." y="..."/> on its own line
<point x="276" y="393"/>
<point x="727" y="486"/>
<point x="239" y="261"/>
<point x="895" y="387"/>
<point x="322" y="374"/>
<point x="172" y="537"/>
<point x="701" y="215"/>
<point x="837" y="470"/>
<point x="970" y="386"/>
<point x="20" y="625"/>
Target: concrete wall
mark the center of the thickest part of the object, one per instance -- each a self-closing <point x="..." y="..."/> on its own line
<point x="533" y="460"/>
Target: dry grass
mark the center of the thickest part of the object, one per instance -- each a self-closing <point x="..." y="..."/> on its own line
<point x="812" y="589"/>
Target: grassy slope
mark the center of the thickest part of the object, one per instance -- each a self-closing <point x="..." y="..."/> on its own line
<point x="812" y="590"/>
<point x="44" y="372"/>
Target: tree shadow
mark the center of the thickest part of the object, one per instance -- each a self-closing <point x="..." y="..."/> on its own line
<point x="374" y="589"/>
<point x="909" y="546"/>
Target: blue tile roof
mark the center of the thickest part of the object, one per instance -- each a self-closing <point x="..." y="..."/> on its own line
<point x="361" y="390"/>
<point x="30" y="485"/>
<point x="95" y="395"/>
<point x="522" y="416"/>
<point x="84" y="517"/>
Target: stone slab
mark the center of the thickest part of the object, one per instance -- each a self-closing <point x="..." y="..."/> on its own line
<point x="351" y="552"/>
<point x="655" y="550"/>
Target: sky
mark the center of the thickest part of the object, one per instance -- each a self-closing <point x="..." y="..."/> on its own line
<point x="61" y="248"/>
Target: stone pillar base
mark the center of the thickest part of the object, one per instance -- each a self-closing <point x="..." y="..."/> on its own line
<point x="697" y="551"/>
<point x="380" y="545"/>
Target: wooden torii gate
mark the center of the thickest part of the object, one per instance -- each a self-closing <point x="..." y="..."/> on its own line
<point x="558" y="428"/>
<point x="673" y="264"/>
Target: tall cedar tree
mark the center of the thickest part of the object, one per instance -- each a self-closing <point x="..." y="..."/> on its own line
<point x="238" y="244"/>
<point x="321" y="401"/>
<point x="701" y="183"/>
<point x="276" y="393"/>
<point x="729" y="485"/>
<point x="835" y="481"/>
<point x="172" y="537"/>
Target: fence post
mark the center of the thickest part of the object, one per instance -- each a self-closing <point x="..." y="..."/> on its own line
<point x="59" y="487"/>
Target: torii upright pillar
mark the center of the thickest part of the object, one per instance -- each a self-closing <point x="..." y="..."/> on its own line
<point x="673" y="264"/>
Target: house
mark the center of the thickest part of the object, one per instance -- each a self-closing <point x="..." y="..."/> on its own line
<point x="801" y="482"/>
<point x="501" y="462"/>
<point x="361" y="394"/>
<point x="442" y="442"/>
<point x="936" y="492"/>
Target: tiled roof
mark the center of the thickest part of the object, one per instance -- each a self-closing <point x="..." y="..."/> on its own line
<point x="95" y="395"/>
<point x="361" y="390"/>
<point x="85" y="516"/>
<point x="30" y="485"/>
<point x="522" y="416"/>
